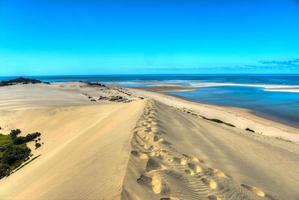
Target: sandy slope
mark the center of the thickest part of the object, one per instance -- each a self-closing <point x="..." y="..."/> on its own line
<point x="85" y="150"/>
<point x="176" y="155"/>
<point x="38" y="96"/>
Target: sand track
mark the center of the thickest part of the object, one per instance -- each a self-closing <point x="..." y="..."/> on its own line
<point x="179" y="156"/>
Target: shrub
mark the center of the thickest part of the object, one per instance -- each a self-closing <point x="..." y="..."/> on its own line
<point x="18" y="140"/>
<point x="14" y="155"/>
<point x="25" y="139"/>
<point x="32" y="136"/>
<point x="4" y="170"/>
<point x="14" y="133"/>
<point x="13" y="150"/>
<point x="37" y="145"/>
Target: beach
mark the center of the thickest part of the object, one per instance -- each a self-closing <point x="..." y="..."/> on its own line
<point x="106" y="142"/>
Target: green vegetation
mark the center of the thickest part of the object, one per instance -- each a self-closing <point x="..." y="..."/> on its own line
<point x="14" y="151"/>
<point x="20" y="80"/>
<point x="37" y="145"/>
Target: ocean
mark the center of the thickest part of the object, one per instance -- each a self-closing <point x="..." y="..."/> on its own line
<point x="272" y="96"/>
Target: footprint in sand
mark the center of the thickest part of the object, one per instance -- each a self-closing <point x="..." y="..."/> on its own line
<point x="213" y="197"/>
<point x="158" y="139"/>
<point x="254" y="190"/>
<point x="156" y="154"/>
<point x="140" y="142"/>
<point x="169" y="198"/>
<point x="156" y="184"/>
<point x="189" y="172"/>
<point x="148" y="130"/>
<point x="144" y="146"/>
<point x="143" y="156"/>
<point x="143" y="179"/>
<point x="181" y="161"/>
<point x="153" y="154"/>
<point x="209" y="182"/>
<point x="195" y="167"/>
<point x="140" y="155"/>
<point x="153" y="165"/>
<point x="145" y="138"/>
<point x="154" y="148"/>
<point x="135" y="153"/>
<point x="162" y="152"/>
<point x="153" y="123"/>
<point x="194" y="158"/>
<point x="218" y="173"/>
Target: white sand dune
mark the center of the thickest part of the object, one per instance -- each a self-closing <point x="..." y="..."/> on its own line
<point x="158" y="148"/>
<point x="85" y="150"/>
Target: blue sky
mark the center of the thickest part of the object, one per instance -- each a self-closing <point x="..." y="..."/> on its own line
<point x="50" y="37"/>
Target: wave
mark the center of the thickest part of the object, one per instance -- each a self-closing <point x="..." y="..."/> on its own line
<point x="266" y="87"/>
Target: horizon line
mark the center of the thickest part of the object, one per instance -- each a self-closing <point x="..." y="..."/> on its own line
<point x="145" y="74"/>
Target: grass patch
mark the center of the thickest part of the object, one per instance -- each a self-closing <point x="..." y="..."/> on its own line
<point x="14" y="151"/>
<point x="4" y="139"/>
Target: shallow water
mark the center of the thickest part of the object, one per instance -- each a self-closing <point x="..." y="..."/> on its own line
<point x="280" y="106"/>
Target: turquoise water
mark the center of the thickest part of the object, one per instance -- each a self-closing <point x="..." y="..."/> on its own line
<point x="277" y="105"/>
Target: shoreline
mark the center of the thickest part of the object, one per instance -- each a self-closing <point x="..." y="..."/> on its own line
<point x="166" y="90"/>
<point x="256" y="113"/>
<point x="240" y="117"/>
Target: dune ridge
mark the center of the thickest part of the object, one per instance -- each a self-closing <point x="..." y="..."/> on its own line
<point x="170" y="164"/>
<point x="88" y="163"/>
